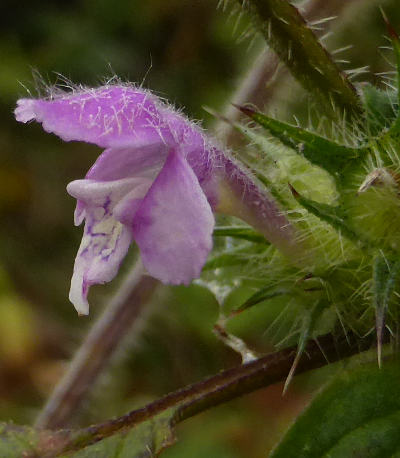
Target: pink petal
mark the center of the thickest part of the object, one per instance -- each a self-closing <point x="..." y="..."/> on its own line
<point x="108" y="116"/>
<point x="173" y="225"/>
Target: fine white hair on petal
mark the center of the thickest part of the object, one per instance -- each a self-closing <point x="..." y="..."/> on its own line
<point x="25" y="110"/>
<point x="130" y="191"/>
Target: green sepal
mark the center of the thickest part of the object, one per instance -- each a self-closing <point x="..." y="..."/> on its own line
<point x="386" y="272"/>
<point x="334" y="216"/>
<point x="229" y="258"/>
<point x="263" y="294"/>
<point x="270" y="186"/>
<point x="243" y="233"/>
<point x="320" y="151"/>
<point x="308" y="322"/>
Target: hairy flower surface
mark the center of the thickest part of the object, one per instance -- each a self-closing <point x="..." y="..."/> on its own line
<point x="158" y="182"/>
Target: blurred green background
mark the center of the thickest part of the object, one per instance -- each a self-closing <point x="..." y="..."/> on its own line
<point x="193" y="54"/>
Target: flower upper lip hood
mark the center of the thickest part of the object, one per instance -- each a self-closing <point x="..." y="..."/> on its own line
<point x="157" y="182"/>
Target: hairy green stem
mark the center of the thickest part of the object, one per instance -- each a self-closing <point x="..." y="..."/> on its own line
<point x="259" y="85"/>
<point x="286" y="31"/>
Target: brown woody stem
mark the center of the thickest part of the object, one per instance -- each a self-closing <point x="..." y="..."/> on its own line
<point x="226" y="386"/>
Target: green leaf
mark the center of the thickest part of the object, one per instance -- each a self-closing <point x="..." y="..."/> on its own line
<point x="147" y="439"/>
<point x="320" y="151"/>
<point x="377" y="439"/>
<point x="240" y="233"/>
<point x="356" y="415"/>
<point x="385" y="275"/>
<point x="15" y="441"/>
<point x="286" y="31"/>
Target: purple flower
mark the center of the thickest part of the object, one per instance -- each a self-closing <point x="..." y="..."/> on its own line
<point x="158" y="182"/>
